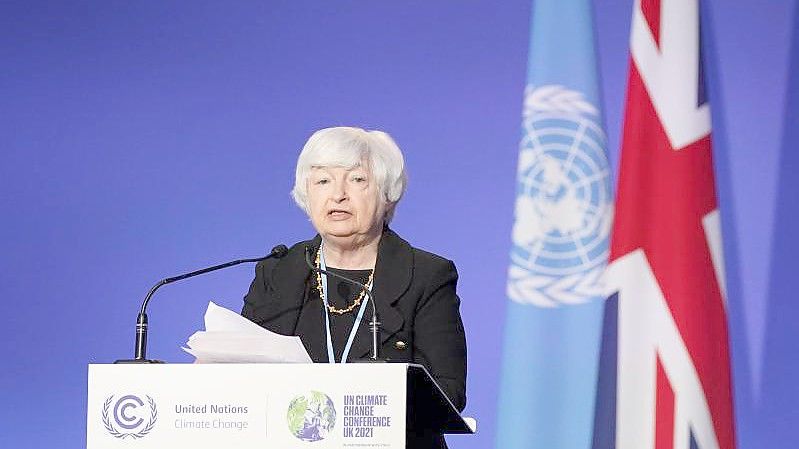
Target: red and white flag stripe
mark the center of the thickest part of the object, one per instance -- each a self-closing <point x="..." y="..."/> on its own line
<point x="674" y="385"/>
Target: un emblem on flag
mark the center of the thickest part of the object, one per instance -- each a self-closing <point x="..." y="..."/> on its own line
<point x="563" y="209"/>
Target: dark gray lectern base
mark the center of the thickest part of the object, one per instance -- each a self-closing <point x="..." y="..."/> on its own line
<point x="429" y="411"/>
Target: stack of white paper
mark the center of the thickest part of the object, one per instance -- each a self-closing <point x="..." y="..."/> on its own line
<point x="230" y="338"/>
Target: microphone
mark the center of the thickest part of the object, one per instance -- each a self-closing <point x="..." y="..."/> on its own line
<point x="374" y="325"/>
<point x="140" y="355"/>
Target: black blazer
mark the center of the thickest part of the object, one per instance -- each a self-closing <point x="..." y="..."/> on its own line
<point x="414" y="292"/>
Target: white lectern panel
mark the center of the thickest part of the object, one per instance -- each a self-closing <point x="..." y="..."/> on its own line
<point x="197" y="406"/>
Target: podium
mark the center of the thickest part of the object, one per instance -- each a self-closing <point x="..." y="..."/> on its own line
<point x="265" y="406"/>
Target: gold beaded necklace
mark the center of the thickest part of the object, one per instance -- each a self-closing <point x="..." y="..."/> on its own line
<point x="321" y="291"/>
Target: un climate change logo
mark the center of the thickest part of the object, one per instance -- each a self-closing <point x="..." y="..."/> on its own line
<point x="129" y="416"/>
<point x="311" y="416"/>
<point x="563" y="204"/>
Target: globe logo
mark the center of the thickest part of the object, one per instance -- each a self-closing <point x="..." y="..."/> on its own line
<point x="311" y="416"/>
<point x="563" y="204"/>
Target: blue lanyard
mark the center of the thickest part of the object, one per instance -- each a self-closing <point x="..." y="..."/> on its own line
<point x="331" y="357"/>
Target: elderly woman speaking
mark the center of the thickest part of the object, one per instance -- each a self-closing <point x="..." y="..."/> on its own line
<point x="349" y="182"/>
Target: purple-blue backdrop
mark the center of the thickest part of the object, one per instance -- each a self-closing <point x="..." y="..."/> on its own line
<point x="143" y="139"/>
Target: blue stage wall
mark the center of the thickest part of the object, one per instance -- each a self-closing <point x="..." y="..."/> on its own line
<point x="142" y="139"/>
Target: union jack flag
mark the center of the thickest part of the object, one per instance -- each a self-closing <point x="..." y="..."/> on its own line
<point x="665" y="368"/>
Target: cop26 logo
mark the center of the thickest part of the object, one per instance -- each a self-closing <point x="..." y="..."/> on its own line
<point x="311" y="416"/>
<point x="129" y="416"/>
<point x="563" y="206"/>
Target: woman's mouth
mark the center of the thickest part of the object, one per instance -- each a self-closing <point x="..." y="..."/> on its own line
<point x="338" y="214"/>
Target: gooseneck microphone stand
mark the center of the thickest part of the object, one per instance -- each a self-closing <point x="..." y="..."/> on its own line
<point x="140" y="354"/>
<point x="374" y="324"/>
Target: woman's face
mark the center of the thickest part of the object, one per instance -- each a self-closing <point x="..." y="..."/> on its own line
<point x="344" y="204"/>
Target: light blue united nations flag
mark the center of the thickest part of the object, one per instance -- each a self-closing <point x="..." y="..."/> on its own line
<point x="563" y="217"/>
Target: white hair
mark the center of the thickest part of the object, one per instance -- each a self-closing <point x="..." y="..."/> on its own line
<point x="347" y="147"/>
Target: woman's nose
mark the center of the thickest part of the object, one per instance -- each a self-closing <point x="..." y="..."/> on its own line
<point x="340" y="192"/>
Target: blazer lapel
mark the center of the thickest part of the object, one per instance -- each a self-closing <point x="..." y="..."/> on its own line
<point x="393" y="273"/>
<point x="289" y="280"/>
